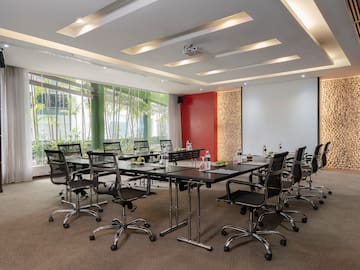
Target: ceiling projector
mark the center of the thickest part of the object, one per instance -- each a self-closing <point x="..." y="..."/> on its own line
<point x="191" y="50"/>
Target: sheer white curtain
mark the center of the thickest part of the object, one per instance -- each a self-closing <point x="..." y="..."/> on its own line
<point x="15" y="125"/>
<point x="174" y="121"/>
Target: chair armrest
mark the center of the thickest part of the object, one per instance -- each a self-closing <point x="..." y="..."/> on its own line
<point x="239" y="182"/>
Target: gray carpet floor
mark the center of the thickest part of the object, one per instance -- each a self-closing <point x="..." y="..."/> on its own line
<point x="330" y="239"/>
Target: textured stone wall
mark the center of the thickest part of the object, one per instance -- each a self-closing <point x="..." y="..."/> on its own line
<point x="229" y="123"/>
<point x="340" y="121"/>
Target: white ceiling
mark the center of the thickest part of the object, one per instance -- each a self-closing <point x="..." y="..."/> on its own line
<point x="164" y="18"/>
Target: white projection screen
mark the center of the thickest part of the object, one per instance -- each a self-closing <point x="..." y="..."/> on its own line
<point x="283" y="113"/>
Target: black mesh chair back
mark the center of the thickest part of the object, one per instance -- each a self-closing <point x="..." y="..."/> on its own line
<point x="296" y="170"/>
<point x="166" y="145"/>
<point x="71" y="149"/>
<point x="105" y="164"/>
<point x="315" y="159"/>
<point x="114" y="147"/>
<point x="276" y="168"/>
<point x="324" y="155"/>
<point x="59" y="170"/>
<point x="141" y="146"/>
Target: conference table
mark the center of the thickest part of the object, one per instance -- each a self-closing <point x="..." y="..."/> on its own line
<point x="193" y="180"/>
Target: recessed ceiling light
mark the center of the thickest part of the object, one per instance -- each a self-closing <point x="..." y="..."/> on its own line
<point x="217" y="25"/>
<point x="6" y="45"/>
<point x="103" y="16"/>
<point x="211" y="72"/>
<point x="201" y="89"/>
<point x="312" y="21"/>
<point x="251" y="47"/>
<point x="104" y="67"/>
<point x="268" y="62"/>
<point x="79" y="21"/>
<point x="281" y="59"/>
<point x="245" y="83"/>
<point x="303" y="76"/>
<point x="186" y="61"/>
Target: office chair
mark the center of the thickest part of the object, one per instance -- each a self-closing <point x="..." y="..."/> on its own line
<point x="311" y="167"/>
<point x="60" y="173"/>
<point x="324" y="163"/>
<point x="254" y="200"/>
<point x="71" y="149"/>
<point x="114" y="147"/>
<point x="278" y="208"/>
<point x="294" y="176"/>
<point x="141" y="147"/>
<point x="166" y="145"/>
<point x="105" y="164"/>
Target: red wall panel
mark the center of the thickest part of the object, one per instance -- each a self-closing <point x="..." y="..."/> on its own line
<point x="199" y="121"/>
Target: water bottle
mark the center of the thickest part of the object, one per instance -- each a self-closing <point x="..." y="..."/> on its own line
<point x="238" y="156"/>
<point x="187" y="145"/>
<point x="207" y="160"/>
<point x="264" y="150"/>
<point x="202" y="166"/>
<point x="166" y="159"/>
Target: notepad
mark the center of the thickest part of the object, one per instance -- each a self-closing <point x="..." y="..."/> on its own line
<point x="222" y="171"/>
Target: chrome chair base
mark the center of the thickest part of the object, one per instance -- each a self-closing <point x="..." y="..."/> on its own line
<point x="321" y="189"/>
<point x="75" y="210"/>
<point x="120" y="225"/>
<point x="254" y="234"/>
<point x="286" y="214"/>
<point x="304" y="198"/>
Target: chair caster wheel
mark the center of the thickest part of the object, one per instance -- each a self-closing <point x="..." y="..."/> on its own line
<point x="324" y="196"/>
<point x="321" y="202"/>
<point x="147" y="225"/>
<point x="92" y="237"/>
<point x="283" y="242"/>
<point x="329" y="192"/>
<point x="51" y="219"/>
<point x="295" y="229"/>
<point x="243" y="210"/>
<point x="113" y="247"/>
<point x="315" y="207"/>
<point x="268" y="256"/>
<point x="260" y="223"/>
<point x="152" y="237"/>
<point x="98" y="219"/>
<point x="226" y="249"/>
<point x="286" y="205"/>
<point x="304" y="220"/>
<point x="224" y="233"/>
<point x="66" y="225"/>
<point x="100" y="210"/>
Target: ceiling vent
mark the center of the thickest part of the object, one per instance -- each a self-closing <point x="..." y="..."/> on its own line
<point x="191" y="50"/>
<point x="354" y="8"/>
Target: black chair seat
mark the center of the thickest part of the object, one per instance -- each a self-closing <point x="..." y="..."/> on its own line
<point x="130" y="194"/>
<point x="80" y="184"/>
<point x="244" y="197"/>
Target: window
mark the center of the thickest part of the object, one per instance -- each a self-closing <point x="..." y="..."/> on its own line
<point x="61" y="110"/>
<point x="132" y="114"/>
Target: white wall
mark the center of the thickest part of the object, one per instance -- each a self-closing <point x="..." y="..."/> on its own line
<point x="283" y="113"/>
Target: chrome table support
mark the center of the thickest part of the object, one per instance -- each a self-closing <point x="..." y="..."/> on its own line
<point x="189" y="221"/>
<point x="173" y="211"/>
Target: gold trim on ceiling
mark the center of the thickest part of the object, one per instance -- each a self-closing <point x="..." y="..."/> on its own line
<point x="214" y="26"/>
